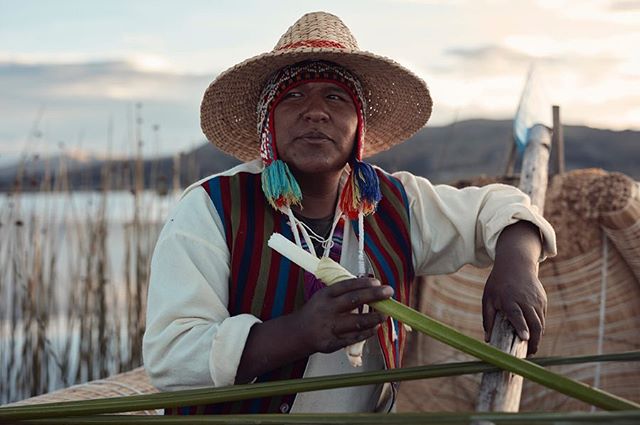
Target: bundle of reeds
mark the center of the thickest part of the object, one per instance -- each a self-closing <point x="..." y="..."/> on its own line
<point x="580" y="200"/>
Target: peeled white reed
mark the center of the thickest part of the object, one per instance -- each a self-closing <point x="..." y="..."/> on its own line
<point x="325" y="269"/>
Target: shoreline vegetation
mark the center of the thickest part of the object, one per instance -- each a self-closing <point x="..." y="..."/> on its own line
<point x="73" y="280"/>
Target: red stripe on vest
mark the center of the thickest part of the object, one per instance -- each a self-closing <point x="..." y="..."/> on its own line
<point x="254" y="268"/>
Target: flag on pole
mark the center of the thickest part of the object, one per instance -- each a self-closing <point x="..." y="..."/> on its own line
<point x="534" y="108"/>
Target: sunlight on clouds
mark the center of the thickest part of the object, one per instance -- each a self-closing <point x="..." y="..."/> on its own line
<point x="55" y="83"/>
<point x="34" y="58"/>
<point x="143" y="62"/>
<point x="614" y="45"/>
<point x="493" y="97"/>
<point x="632" y="114"/>
<point x="600" y="92"/>
<point x="138" y="88"/>
<point x="630" y="68"/>
<point x="432" y="2"/>
<point x="150" y="63"/>
<point x="621" y="11"/>
<point x="533" y="45"/>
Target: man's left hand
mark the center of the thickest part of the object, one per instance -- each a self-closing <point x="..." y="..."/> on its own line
<point x="513" y="286"/>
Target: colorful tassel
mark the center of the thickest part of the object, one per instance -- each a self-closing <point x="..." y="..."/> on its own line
<point x="279" y="186"/>
<point x="361" y="191"/>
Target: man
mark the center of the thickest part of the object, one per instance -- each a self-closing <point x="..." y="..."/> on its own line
<point x="223" y="308"/>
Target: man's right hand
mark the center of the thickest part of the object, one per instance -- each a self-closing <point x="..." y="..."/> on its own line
<point x="324" y="324"/>
<point x="327" y="322"/>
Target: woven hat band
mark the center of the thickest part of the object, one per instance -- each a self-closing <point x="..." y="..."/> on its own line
<point x="397" y="101"/>
<point x="313" y="43"/>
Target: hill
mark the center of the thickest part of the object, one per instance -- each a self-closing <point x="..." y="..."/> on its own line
<point x="442" y="154"/>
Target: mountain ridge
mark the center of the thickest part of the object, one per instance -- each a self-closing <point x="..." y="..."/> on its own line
<point x="457" y="151"/>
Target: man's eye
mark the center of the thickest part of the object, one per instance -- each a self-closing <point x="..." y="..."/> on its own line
<point x="292" y="94"/>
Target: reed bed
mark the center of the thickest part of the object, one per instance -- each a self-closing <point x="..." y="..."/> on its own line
<point x="73" y="281"/>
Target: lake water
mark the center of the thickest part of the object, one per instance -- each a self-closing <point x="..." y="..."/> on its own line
<point x="73" y="275"/>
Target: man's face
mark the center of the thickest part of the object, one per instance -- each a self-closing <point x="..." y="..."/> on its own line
<point x="315" y="127"/>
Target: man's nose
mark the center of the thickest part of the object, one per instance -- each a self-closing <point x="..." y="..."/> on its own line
<point x="315" y="109"/>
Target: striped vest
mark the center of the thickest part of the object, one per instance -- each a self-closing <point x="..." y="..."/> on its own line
<point x="267" y="285"/>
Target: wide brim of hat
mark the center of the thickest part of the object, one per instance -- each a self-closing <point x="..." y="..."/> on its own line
<point x="398" y="101"/>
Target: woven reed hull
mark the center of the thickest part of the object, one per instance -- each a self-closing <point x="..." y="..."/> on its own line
<point x="129" y="383"/>
<point x="572" y="327"/>
<point x="623" y="228"/>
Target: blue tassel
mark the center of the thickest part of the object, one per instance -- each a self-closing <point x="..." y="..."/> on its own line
<point x="362" y="193"/>
<point x="367" y="182"/>
<point x="280" y="186"/>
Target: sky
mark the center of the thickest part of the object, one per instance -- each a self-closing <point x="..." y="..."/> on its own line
<point x="83" y="76"/>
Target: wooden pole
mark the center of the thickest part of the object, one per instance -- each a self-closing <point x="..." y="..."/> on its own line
<point x="557" y="142"/>
<point x="535" y="165"/>
<point x="511" y="159"/>
<point x="501" y="391"/>
<point x="177" y="185"/>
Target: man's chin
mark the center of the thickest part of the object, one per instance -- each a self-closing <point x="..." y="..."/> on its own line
<point x="318" y="168"/>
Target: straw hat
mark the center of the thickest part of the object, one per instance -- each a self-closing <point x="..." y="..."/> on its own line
<point x="399" y="103"/>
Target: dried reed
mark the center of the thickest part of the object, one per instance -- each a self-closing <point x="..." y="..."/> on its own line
<point x="71" y="310"/>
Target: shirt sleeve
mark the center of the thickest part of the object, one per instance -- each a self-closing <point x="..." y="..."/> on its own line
<point x="190" y="339"/>
<point x="452" y="227"/>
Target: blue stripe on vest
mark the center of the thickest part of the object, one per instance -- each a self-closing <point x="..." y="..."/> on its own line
<point x="386" y="268"/>
<point x="394" y="230"/>
<point x="400" y="187"/>
<point x="255" y="405"/>
<point x="216" y="197"/>
<point x="281" y="290"/>
<point x="283" y="273"/>
<point x="391" y="223"/>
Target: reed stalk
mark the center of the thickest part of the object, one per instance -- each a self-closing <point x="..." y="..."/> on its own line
<point x="505" y="361"/>
<point x="529" y="418"/>
<point x="268" y="389"/>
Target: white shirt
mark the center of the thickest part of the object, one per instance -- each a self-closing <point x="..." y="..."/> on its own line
<point x="192" y="341"/>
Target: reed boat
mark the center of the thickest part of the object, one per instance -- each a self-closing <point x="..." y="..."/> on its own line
<point x="593" y="288"/>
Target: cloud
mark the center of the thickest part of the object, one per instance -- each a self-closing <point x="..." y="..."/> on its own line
<point x="616" y="12"/>
<point x="625" y="5"/>
<point x="96" y="80"/>
<point x="79" y="100"/>
<point x="487" y="59"/>
<point x="501" y="59"/>
<point x="486" y="81"/>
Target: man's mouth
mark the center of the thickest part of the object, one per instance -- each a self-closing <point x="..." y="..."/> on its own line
<point x="314" y="136"/>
